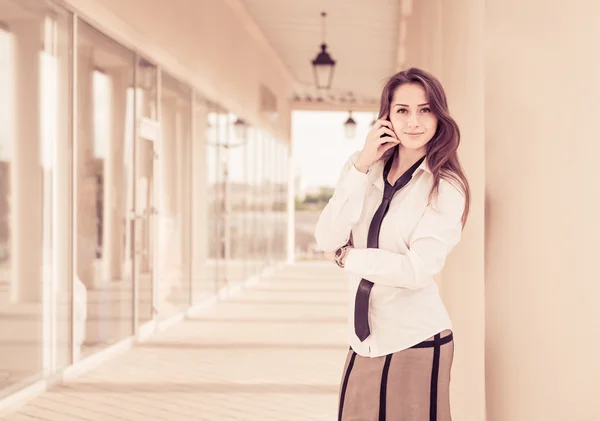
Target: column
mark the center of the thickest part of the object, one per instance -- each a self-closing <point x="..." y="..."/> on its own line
<point x="145" y="197"/>
<point x="446" y="38"/>
<point x="114" y="178"/>
<point x="542" y="213"/>
<point x="62" y="193"/>
<point x="85" y="195"/>
<point x="199" y="196"/>
<point x="167" y="162"/>
<point x="168" y="157"/>
<point x="463" y="278"/>
<point x="420" y="35"/>
<point x="26" y="178"/>
<point x="182" y="181"/>
<point x="291" y="206"/>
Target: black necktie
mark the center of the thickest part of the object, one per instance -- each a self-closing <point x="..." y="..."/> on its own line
<point x="361" y="304"/>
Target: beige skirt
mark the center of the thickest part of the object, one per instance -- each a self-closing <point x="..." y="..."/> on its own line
<point x="409" y="385"/>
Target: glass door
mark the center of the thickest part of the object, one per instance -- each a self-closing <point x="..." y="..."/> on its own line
<point x="103" y="193"/>
<point x="173" y="285"/>
<point x="35" y="110"/>
<point x="145" y="213"/>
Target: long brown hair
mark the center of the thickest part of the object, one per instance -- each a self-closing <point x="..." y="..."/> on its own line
<point x="442" y="155"/>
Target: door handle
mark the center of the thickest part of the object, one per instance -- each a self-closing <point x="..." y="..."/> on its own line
<point x="136" y="216"/>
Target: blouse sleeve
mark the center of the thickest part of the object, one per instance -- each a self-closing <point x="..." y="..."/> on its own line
<point x="343" y="209"/>
<point x="436" y="234"/>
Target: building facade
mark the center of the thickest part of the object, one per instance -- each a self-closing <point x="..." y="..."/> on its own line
<point x="130" y="191"/>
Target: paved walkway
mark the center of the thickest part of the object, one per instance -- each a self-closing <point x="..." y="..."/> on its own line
<point x="275" y="351"/>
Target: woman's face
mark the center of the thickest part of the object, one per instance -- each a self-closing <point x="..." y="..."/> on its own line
<point x="413" y="121"/>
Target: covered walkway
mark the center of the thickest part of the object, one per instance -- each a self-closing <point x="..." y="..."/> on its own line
<point x="273" y="351"/>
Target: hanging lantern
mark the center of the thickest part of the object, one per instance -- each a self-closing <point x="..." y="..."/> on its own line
<point x="323" y="64"/>
<point x="374" y="120"/>
<point x="350" y="126"/>
<point x="240" y="129"/>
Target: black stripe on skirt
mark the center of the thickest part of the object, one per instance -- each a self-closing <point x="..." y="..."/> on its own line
<point x="345" y="385"/>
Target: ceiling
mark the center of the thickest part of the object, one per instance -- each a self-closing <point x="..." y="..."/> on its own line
<point x="23" y="10"/>
<point x="361" y="35"/>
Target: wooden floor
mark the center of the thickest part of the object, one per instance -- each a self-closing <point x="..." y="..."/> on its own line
<point x="275" y="351"/>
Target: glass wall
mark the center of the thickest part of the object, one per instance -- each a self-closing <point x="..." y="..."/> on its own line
<point x="125" y="197"/>
<point x="213" y="197"/>
<point x="173" y="254"/>
<point x="104" y="192"/>
<point x="35" y="110"/>
<point x="203" y="200"/>
<point x="280" y="202"/>
<point x="235" y="198"/>
<point x="266" y="193"/>
<point x="253" y="205"/>
<point x="259" y="182"/>
<point x="145" y="159"/>
<point x="222" y="246"/>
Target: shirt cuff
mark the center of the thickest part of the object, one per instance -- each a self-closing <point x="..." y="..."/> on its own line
<point x="351" y="264"/>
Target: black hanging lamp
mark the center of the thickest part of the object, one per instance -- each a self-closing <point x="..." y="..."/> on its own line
<point x="240" y="127"/>
<point x="323" y="64"/>
<point x="374" y="120"/>
<point x="350" y="126"/>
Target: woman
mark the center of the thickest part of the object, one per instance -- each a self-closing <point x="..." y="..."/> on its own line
<point x="397" y="211"/>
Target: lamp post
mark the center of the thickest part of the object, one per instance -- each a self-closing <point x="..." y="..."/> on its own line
<point x="240" y="131"/>
<point x="323" y="64"/>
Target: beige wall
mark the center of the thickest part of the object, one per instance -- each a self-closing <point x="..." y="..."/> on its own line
<point x="209" y="44"/>
<point x="543" y="206"/>
<point x="525" y="91"/>
<point x="446" y="38"/>
<point x="463" y="279"/>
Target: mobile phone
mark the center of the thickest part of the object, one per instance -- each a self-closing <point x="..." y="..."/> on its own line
<point x="385" y="134"/>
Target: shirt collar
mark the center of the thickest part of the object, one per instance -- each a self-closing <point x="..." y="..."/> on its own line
<point x="376" y="172"/>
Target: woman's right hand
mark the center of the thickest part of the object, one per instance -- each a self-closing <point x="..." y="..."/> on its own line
<point x="375" y="145"/>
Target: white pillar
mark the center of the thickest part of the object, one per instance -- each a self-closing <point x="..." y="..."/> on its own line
<point x="62" y="193"/>
<point x="446" y="39"/>
<point x="543" y="206"/>
<point x="463" y="278"/>
<point x="26" y="175"/>
<point x="199" y="196"/>
<point x="168" y="158"/>
<point x="182" y="181"/>
<point x="168" y="249"/>
<point x="420" y="35"/>
<point x="85" y="196"/>
<point x="291" y="206"/>
<point x="114" y="179"/>
<point x="146" y="177"/>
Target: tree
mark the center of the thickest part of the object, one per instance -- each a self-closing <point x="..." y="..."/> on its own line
<point x="315" y="201"/>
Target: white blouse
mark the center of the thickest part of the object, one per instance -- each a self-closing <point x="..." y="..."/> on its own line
<point x="405" y="307"/>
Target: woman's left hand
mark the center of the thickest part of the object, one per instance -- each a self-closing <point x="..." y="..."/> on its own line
<point x="345" y="255"/>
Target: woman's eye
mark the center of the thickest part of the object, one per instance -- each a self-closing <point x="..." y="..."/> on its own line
<point x="426" y="110"/>
<point x="402" y="110"/>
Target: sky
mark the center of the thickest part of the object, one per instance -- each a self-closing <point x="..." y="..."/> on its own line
<point x="320" y="147"/>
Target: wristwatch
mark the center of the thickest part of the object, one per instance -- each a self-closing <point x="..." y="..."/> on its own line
<point x="340" y="255"/>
